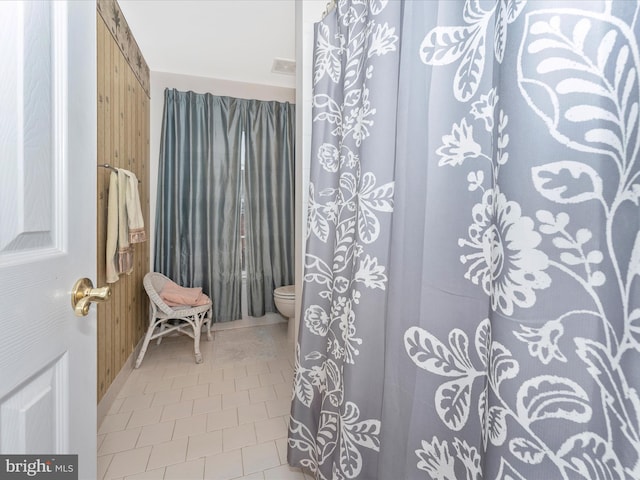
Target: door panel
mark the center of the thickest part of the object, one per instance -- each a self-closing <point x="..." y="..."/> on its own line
<point x="47" y="228"/>
<point x="34" y="416"/>
<point x="26" y="127"/>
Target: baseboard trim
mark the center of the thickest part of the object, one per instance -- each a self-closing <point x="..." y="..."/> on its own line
<point x="110" y="396"/>
<point x="267" y="319"/>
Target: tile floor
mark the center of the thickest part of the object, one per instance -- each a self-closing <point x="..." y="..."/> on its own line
<point x="223" y="419"/>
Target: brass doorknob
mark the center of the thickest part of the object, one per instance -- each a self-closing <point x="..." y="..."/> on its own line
<point x="83" y="294"/>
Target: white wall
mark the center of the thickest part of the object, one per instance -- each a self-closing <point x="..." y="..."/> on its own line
<point x="160" y="81"/>
<point x="307" y="13"/>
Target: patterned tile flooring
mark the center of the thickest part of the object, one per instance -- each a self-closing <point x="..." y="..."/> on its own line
<point x="223" y="419"/>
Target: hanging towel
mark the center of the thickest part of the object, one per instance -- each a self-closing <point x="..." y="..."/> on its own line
<point x="175" y="295"/>
<point x="125" y="223"/>
<point x="135" y="219"/>
<point x="112" y="229"/>
<point x="125" y="252"/>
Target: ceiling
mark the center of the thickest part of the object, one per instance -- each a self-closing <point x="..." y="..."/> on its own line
<point x="234" y="40"/>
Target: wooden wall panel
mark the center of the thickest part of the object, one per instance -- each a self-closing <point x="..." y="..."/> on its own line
<point x="123" y="142"/>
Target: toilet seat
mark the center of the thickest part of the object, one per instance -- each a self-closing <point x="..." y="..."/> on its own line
<point x="286" y="291"/>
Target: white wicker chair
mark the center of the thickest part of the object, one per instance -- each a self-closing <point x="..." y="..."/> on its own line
<point x="190" y="319"/>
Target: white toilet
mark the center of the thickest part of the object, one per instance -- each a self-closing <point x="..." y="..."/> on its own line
<point x="285" y="300"/>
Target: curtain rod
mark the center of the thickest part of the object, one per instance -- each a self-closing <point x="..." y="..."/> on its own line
<point x="106" y="165"/>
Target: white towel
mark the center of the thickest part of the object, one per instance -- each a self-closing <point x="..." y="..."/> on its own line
<point x="135" y="220"/>
<point x="125" y="223"/>
<point x="112" y="229"/>
<point x="125" y="252"/>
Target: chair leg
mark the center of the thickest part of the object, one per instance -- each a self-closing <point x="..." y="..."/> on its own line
<point x="209" y="320"/>
<point x="162" y="326"/>
<point x="145" y="344"/>
<point x="198" y="320"/>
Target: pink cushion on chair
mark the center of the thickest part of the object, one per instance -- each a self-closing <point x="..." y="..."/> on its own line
<point x="174" y="295"/>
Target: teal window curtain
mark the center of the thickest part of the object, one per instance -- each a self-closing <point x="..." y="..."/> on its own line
<point x="269" y="208"/>
<point x="198" y="205"/>
<point x="198" y="220"/>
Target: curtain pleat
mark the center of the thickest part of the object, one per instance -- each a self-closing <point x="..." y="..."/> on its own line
<point x="269" y="209"/>
<point x="198" y="213"/>
<point x="339" y="383"/>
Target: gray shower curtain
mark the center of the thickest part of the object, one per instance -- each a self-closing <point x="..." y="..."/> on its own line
<point x="471" y="305"/>
<point x="198" y="205"/>
<point x="269" y="209"/>
<point x="197" y="239"/>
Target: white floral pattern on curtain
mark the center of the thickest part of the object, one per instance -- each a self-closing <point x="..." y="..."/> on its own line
<point x="348" y="203"/>
<point x="488" y="325"/>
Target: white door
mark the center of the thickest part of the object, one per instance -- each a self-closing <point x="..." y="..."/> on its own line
<point x="47" y="228"/>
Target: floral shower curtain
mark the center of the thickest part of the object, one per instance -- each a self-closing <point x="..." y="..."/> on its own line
<point x="471" y="306"/>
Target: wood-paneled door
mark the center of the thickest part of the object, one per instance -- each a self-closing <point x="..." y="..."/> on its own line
<point x="47" y="228"/>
